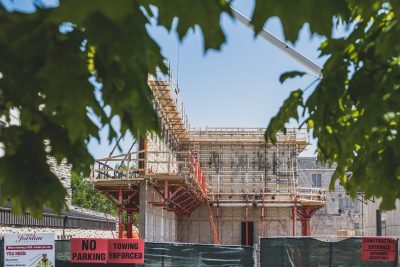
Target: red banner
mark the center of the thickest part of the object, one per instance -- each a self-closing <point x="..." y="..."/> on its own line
<point x="383" y="249"/>
<point x="89" y="250"/>
<point x="125" y="251"/>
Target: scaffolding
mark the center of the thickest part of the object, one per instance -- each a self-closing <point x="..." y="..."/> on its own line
<point x="241" y="167"/>
<point x="217" y="167"/>
<point x="170" y="110"/>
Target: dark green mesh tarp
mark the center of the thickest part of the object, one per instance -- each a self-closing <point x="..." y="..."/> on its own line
<point x="176" y="254"/>
<point x="305" y="252"/>
<point x="171" y="254"/>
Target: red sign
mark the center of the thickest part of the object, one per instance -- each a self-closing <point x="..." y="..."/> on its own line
<point x="125" y="251"/>
<point x="89" y="250"/>
<point x="383" y="249"/>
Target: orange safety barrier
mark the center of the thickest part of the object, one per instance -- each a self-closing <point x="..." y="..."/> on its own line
<point x="135" y="234"/>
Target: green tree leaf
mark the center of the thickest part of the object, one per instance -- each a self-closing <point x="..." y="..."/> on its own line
<point x="206" y="14"/>
<point x="48" y="74"/>
<point x="290" y="74"/>
<point x="85" y="196"/>
<point x="294" y="14"/>
<point x="354" y="111"/>
<point x="286" y="112"/>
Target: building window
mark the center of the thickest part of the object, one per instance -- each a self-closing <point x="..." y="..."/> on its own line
<point x="316" y="180"/>
<point x="346" y="203"/>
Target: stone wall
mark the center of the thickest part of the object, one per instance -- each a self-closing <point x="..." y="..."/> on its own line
<point x="63" y="172"/>
<point x="340" y="211"/>
<point x="68" y="233"/>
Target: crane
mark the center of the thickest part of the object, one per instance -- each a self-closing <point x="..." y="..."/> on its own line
<point x="278" y="43"/>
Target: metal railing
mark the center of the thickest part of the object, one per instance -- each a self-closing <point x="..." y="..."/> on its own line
<point x="246" y="134"/>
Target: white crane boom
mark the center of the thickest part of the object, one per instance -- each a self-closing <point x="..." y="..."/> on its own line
<point x="285" y="47"/>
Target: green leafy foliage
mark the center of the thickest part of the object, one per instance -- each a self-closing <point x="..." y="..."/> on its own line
<point x="286" y="112"/>
<point x="85" y="196"/>
<point x="49" y="60"/>
<point x="206" y="14"/>
<point x="290" y="74"/>
<point x="294" y="14"/>
<point x="62" y="67"/>
<point x="354" y="111"/>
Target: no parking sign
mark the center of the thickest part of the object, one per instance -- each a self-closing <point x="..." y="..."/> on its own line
<point x="99" y="250"/>
<point x="87" y="250"/>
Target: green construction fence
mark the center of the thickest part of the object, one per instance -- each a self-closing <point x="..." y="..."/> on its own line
<point x="309" y="252"/>
<point x="274" y="252"/>
<point x="170" y="254"/>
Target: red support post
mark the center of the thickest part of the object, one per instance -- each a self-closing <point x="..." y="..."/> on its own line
<point x="305" y="227"/>
<point x="216" y="239"/>
<point x="305" y="214"/>
<point x="120" y="208"/>
<point x="129" y="223"/>
<point x="294" y="216"/>
<point x="218" y="217"/>
<point x="166" y="190"/>
<point x="203" y="184"/>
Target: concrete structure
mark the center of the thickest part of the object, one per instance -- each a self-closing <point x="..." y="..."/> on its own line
<point x="214" y="185"/>
<point x="341" y="215"/>
<point x="389" y="220"/>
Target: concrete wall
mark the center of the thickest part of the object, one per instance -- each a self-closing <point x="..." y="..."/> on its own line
<point x="160" y="158"/>
<point x="393" y="221"/>
<point x="390" y="219"/>
<point x="156" y="223"/>
<point x="369" y="219"/>
<point x="197" y="228"/>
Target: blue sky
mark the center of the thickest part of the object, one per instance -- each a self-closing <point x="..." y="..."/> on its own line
<point x="235" y="87"/>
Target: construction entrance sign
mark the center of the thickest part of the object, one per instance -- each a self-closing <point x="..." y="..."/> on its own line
<point x="99" y="250"/>
<point x="29" y="249"/>
<point x="379" y="249"/>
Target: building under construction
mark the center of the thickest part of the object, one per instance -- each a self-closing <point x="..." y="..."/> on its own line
<point x="212" y="185"/>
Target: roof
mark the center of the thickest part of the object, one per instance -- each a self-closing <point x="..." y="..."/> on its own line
<point x="310" y="163"/>
<point x="67" y="218"/>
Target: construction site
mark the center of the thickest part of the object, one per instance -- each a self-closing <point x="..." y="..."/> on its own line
<point x="209" y="186"/>
<point x="204" y="196"/>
